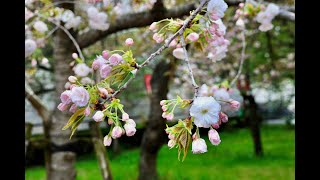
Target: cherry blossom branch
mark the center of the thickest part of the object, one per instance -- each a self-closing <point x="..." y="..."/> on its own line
<point x="194" y="84"/>
<point x="242" y="56"/>
<point x="163" y="47"/>
<point x="67" y="32"/>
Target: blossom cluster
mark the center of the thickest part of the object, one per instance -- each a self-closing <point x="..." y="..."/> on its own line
<point x="97" y="19"/>
<point x="208" y="110"/>
<point x="86" y="98"/>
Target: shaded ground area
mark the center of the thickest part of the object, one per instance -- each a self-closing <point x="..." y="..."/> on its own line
<point x="232" y="159"/>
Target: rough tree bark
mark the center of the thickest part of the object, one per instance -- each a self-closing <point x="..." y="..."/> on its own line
<point x="154" y="135"/>
<point x="101" y="152"/>
<point x="253" y="118"/>
<point x="63" y="161"/>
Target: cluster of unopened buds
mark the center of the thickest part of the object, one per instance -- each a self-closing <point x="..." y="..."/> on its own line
<point x="86" y="98"/>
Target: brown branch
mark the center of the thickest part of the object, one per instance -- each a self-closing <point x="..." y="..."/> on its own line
<point x="163" y="47"/>
<point x="127" y="21"/>
<point x="36" y="102"/>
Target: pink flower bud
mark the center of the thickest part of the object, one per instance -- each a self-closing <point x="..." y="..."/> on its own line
<point x="130" y="130"/>
<point x="199" y="146"/>
<point x="179" y="53"/>
<point x="67" y="85"/>
<point x="103" y="91"/>
<point x="73" y="108"/>
<point x="153" y="26"/>
<point x="107" y="140"/>
<point x="125" y="116"/>
<point x="105" y="54"/>
<point x="164" y="108"/>
<point x="72" y="79"/>
<point x="235" y="105"/>
<point x="98" y="116"/>
<point x="193" y="37"/>
<point x="95" y="65"/>
<point x="162" y="102"/>
<point x="173" y="43"/>
<point x="129" y="42"/>
<point x="169" y="116"/>
<point x="171" y="143"/>
<point x="72" y="86"/>
<point x="74" y="55"/>
<point x="214" y="137"/>
<point x="215" y="125"/>
<point x="157" y="37"/>
<point x="116" y="132"/>
<point x="171" y="136"/>
<point x="65" y="97"/>
<point x="115" y="59"/>
<point x="223" y="117"/>
<point x="164" y="114"/>
<point x="194" y="136"/>
<point x="87" y="111"/>
<point x="131" y="122"/>
<point x="110" y="121"/>
<point x="241" y="5"/>
<point x="62" y="107"/>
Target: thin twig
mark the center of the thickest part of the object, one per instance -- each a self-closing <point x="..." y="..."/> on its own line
<point x="194" y="84"/>
<point x="242" y="57"/>
<point x="67" y="32"/>
<point x="163" y="47"/>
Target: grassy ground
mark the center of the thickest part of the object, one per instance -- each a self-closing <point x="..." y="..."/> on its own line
<point x="232" y="159"/>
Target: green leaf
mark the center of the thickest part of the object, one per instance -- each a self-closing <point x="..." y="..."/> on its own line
<point x="73" y="118"/>
<point x="75" y="125"/>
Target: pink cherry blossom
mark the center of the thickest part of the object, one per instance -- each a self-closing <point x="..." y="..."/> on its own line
<point x="105" y="70"/>
<point x="223" y="117"/>
<point x="72" y="79"/>
<point x="73" y="108"/>
<point x="63" y="107"/>
<point x="79" y="96"/>
<point x="153" y="27"/>
<point x="115" y="59"/>
<point x="105" y="54"/>
<point x="235" y="104"/>
<point x="158" y="38"/>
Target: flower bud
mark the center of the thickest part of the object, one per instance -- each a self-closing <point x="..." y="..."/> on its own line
<point x="72" y="79"/>
<point x="214" y="137"/>
<point x="125" y="116"/>
<point x="62" y="107"/>
<point x="116" y="132"/>
<point x="199" y="146"/>
<point x="193" y="37"/>
<point x="105" y="54"/>
<point x="98" y="116"/>
<point x="107" y="140"/>
<point x="75" y="55"/>
<point x="171" y="143"/>
<point x="130" y="129"/>
<point x="129" y="42"/>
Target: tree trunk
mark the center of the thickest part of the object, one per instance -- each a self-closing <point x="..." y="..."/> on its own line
<point x="154" y="135"/>
<point x="253" y="119"/>
<point x="62" y="160"/>
<point x="101" y="152"/>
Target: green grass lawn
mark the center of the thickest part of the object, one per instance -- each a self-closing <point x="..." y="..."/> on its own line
<point x="232" y="159"/>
